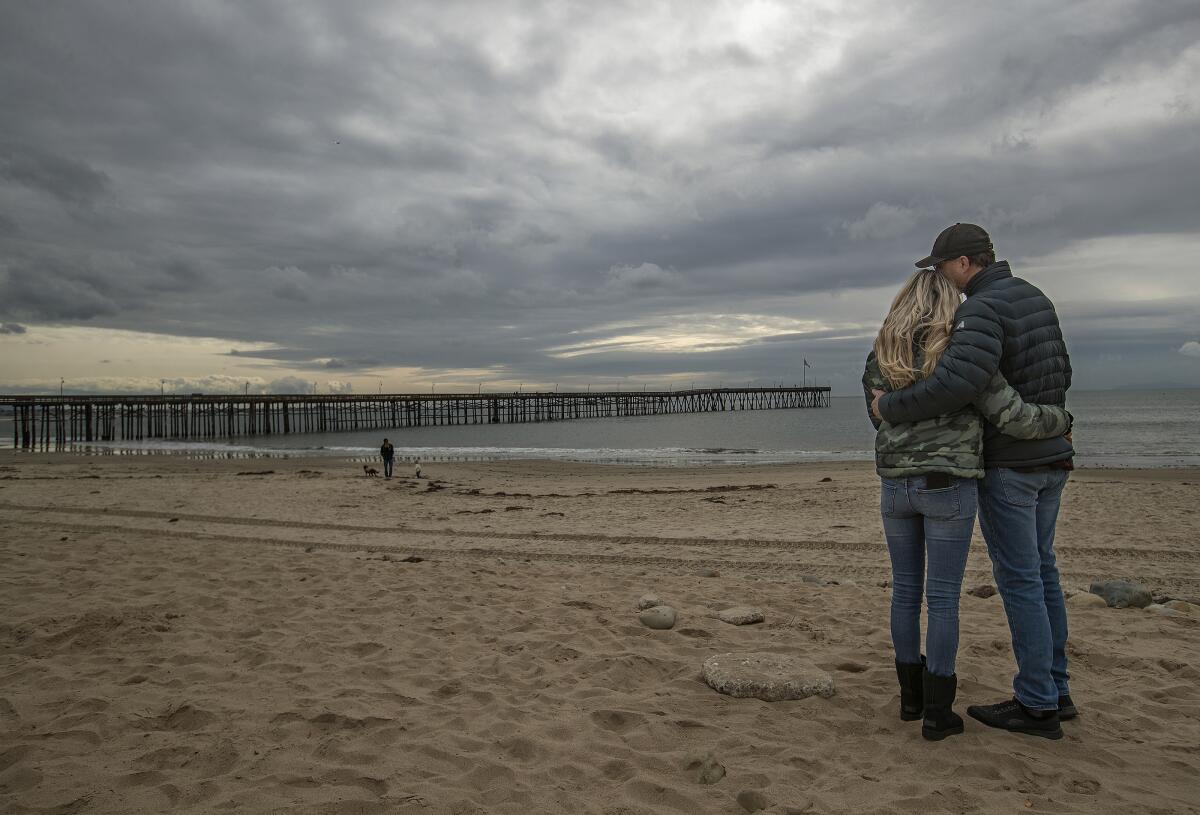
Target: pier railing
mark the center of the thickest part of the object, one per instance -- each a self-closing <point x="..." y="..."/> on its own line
<point x="46" y="420"/>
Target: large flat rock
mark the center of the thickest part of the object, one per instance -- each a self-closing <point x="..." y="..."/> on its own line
<point x="741" y="615"/>
<point x="770" y="677"/>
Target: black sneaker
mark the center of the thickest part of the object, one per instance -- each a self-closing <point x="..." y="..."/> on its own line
<point x="1015" y="717"/>
<point x="1066" y="708"/>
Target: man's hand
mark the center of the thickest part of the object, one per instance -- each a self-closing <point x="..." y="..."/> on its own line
<point x="875" y="403"/>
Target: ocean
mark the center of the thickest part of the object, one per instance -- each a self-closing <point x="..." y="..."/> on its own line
<point x="1112" y="429"/>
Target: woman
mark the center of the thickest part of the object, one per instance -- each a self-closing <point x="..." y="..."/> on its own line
<point x="928" y="501"/>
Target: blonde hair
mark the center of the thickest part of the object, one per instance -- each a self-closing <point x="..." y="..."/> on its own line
<point x="923" y="312"/>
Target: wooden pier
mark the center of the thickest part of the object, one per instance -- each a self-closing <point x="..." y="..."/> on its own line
<point x="45" y="421"/>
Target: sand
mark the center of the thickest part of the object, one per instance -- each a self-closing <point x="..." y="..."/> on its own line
<point x="179" y="635"/>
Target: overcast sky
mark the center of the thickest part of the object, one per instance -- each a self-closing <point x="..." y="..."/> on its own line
<point x="461" y="195"/>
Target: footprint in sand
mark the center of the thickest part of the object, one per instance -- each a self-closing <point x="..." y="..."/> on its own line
<point x="204" y="759"/>
<point x="618" y="770"/>
<point x="365" y="649"/>
<point x="330" y="722"/>
<point x="617" y="721"/>
<point x="181" y="718"/>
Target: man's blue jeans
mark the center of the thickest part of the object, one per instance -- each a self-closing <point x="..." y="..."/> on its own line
<point x="1017" y="513"/>
<point x="387" y="468"/>
<point x="934" y="525"/>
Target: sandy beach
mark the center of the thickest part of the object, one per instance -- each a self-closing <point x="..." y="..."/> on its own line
<point x="276" y="635"/>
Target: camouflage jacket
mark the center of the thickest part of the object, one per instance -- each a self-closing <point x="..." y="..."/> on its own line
<point x="953" y="443"/>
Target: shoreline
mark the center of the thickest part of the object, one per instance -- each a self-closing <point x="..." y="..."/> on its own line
<point x="680" y="462"/>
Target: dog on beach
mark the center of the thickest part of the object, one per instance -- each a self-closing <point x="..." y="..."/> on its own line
<point x="370" y="472"/>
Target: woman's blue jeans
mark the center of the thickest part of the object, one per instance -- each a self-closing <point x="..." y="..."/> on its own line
<point x="928" y="536"/>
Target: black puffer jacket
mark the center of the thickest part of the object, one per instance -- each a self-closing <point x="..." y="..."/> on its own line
<point x="1005" y="324"/>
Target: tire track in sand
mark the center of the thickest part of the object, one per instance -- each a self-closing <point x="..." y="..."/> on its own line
<point x="476" y="553"/>
<point x="1069" y="551"/>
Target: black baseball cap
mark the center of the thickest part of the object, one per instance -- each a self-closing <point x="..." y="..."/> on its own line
<point x="956" y="241"/>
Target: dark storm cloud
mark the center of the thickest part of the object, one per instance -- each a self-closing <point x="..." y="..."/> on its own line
<point x="69" y="180"/>
<point x="57" y="293"/>
<point x="435" y="187"/>
<point x="179" y="276"/>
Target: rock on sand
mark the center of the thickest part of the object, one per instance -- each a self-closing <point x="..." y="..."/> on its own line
<point x="741" y="615"/>
<point x="1083" y="600"/>
<point x="659" y="617"/>
<point x="770" y="677"/>
<point x="1122" y="593"/>
<point x="649" y="600"/>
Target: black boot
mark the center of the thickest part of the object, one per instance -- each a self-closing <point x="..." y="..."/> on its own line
<point x="912" y="698"/>
<point x="940" y="721"/>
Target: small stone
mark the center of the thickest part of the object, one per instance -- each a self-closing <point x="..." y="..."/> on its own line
<point x="1184" y="607"/>
<point x="752" y="801"/>
<point x="1082" y="600"/>
<point x="741" y="615"/>
<point x="766" y="676"/>
<point x="825" y="480"/>
<point x="1155" y="608"/>
<point x="659" y="617"/>
<point x="705" y="769"/>
<point x="710" y="573"/>
<point x="985" y="591"/>
<point x="649" y="600"/>
<point x="1122" y="593"/>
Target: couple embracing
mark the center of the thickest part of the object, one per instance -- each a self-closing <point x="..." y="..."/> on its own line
<point x="967" y="397"/>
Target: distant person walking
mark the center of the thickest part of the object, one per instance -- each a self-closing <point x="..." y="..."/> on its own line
<point x="929" y="473"/>
<point x="387" y="453"/>
<point x="1008" y="325"/>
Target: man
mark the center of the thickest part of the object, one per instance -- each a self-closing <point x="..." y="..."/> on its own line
<point x="1006" y="323"/>
<point x="387" y="452"/>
